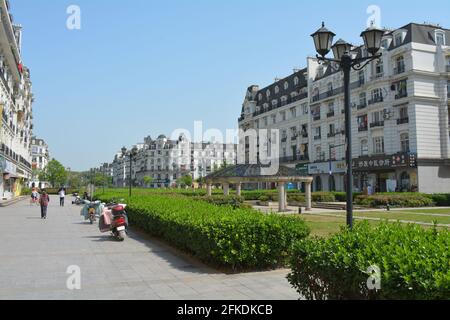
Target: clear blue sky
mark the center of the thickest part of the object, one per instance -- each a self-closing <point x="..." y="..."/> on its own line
<point x="143" y="67"/>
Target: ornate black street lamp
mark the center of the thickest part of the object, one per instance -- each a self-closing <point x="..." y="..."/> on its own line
<point x="132" y="155"/>
<point x="323" y="39"/>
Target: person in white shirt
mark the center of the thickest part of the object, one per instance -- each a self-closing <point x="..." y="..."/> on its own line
<point x="62" y="196"/>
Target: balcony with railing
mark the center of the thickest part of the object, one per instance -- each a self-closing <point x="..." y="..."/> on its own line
<point x="377" y="124"/>
<point x="318" y="137"/>
<point x="399" y="69"/>
<point x="401" y="94"/>
<point x="330" y="114"/>
<point x="294" y="137"/>
<point x="376" y="99"/>
<point x="361" y="106"/>
<point x="331" y="135"/>
<point x="316" y="117"/>
<point x="363" y="128"/>
<point x="305" y="134"/>
<point x="402" y="121"/>
<point x="377" y="76"/>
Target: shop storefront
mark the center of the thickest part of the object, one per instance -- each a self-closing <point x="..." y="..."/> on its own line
<point x="394" y="173"/>
<point x="328" y="176"/>
<point x="10" y="181"/>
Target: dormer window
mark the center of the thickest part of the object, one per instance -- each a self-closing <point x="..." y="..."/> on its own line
<point x="320" y="71"/>
<point x="277" y="90"/>
<point x="268" y="93"/>
<point x="286" y="85"/>
<point x="440" y="38"/>
<point x="399" y="38"/>
<point x="296" y="81"/>
<point x="260" y="97"/>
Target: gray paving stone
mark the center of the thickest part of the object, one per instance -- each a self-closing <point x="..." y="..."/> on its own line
<point x="35" y="255"/>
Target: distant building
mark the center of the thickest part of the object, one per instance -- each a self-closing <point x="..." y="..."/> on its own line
<point x="40" y="157"/>
<point x="165" y="161"/>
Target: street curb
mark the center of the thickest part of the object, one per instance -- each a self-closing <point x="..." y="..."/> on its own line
<point x="12" y="201"/>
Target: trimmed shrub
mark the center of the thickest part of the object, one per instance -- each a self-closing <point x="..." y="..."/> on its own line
<point x="414" y="263"/>
<point x="441" y="200"/>
<point x="264" y="199"/>
<point x="219" y="235"/>
<point x="323" y="197"/>
<point x="296" y="198"/>
<point x="395" y="200"/>
<point x="221" y="200"/>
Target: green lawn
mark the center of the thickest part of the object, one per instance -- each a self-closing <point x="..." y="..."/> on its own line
<point x="424" y="215"/>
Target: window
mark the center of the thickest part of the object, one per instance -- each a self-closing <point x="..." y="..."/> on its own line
<point x="305" y="107"/>
<point x="404" y="142"/>
<point x="377" y="116"/>
<point x="274" y="119"/>
<point x="260" y="97"/>
<point x="268" y="93"/>
<point x="361" y="77"/>
<point x="283" y="116"/>
<point x="332" y="129"/>
<point x="266" y="121"/>
<point x="385" y="43"/>
<point x="318" y="132"/>
<point x="330" y="89"/>
<point x="316" y="94"/>
<point x="402" y="89"/>
<point x="378" y="145"/>
<point x="403" y="112"/>
<point x="398" y="39"/>
<point x="440" y="38"/>
<point x="293" y="112"/>
<point x="379" y="68"/>
<point x="362" y="123"/>
<point x="277" y="90"/>
<point x="296" y="81"/>
<point x="377" y="95"/>
<point x="364" y="147"/>
<point x="257" y="124"/>
<point x="331" y="108"/>
<point x="318" y="153"/>
<point x="286" y="85"/>
<point x="400" y="65"/>
<point x="362" y="99"/>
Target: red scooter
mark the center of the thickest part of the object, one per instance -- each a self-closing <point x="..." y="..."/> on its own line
<point x="115" y="220"/>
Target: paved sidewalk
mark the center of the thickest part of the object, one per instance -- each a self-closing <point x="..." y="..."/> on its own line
<point x="35" y="255"/>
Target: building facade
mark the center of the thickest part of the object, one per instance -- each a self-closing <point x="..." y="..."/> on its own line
<point x="16" y="106"/>
<point x="400" y="116"/>
<point x="40" y="157"/>
<point x="165" y="161"/>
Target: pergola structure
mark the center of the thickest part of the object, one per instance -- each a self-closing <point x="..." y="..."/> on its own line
<point x="248" y="173"/>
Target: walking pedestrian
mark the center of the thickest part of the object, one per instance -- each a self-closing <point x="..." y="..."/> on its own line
<point x="62" y="196"/>
<point x="43" y="201"/>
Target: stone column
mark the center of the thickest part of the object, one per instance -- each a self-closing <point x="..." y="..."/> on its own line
<point x="281" y="197"/>
<point x="308" y="196"/>
<point x="209" y="189"/>
<point x="226" y="189"/>
<point x="238" y="189"/>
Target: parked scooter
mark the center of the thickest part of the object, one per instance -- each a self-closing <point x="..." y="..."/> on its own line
<point x="91" y="210"/>
<point x="78" y="201"/>
<point x="115" y="220"/>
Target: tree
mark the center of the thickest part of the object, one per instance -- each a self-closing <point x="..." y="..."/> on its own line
<point x="148" y="180"/>
<point x="185" y="181"/>
<point x="54" y="173"/>
<point x="100" y="180"/>
<point x="74" y="180"/>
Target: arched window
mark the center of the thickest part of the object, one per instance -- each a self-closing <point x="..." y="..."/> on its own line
<point x="286" y="85"/>
<point x="277" y="90"/>
<point x="318" y="183"/>
<point x="404" y="142"/>
<point x="260" y="97"/>
<point x="268" y="93"/>
<point x="296" y="81"/>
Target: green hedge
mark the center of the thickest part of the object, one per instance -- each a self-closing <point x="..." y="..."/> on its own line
<point x="414" y="263"/>
<point x="395" y="200"/>
<point x="219" y="235"/>
<point x="441" y="200"/>
<point x="221" y="200"/>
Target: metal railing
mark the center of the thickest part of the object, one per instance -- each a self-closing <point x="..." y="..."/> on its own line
<point x="377" y="124"/>
<point x="402" y="121"/>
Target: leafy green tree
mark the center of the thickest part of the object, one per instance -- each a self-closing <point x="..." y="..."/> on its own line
<point x="100" y="180"/>
<point x="74" y="180"/>
<point x="148" y="181"/>
<point x="185" y="181"/>
<point x="54" y="173"/>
